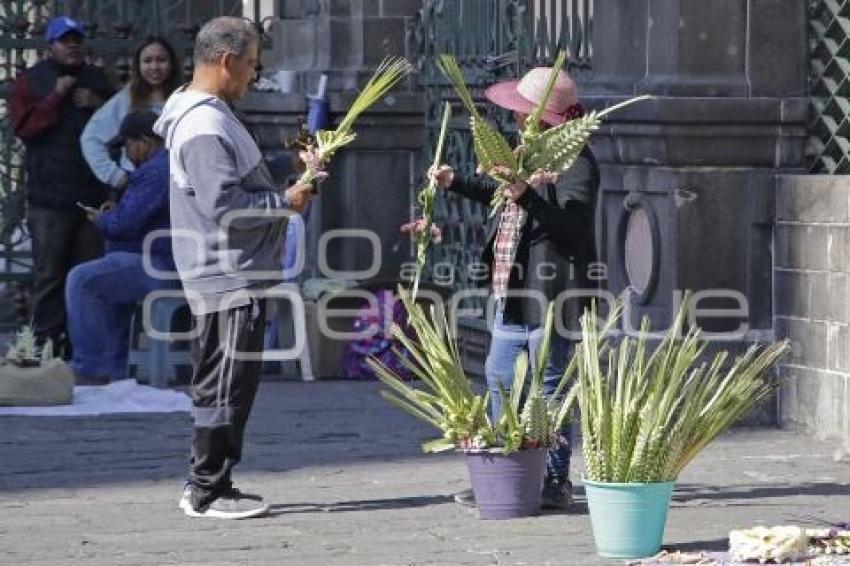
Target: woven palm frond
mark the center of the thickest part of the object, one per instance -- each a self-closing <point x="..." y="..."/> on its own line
<point x="491" y="147"/>
<point x="557" y="148"/>
<point x="452" y="71"/>
<point x="646" y="415"/>
<point x="551" y="150"/>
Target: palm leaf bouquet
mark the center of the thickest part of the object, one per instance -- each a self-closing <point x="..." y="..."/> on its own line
<point x="448" y="401"/>
<point x="542" y="154"/>
<point x="326" y="143"/>
<point x="644" y="415"/>
<point x="423" y="229"/>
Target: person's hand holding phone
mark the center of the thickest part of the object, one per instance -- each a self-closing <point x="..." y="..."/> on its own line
<point x="91" y="212"/>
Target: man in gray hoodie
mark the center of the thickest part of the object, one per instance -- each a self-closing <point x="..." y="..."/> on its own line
<point x="228" y="219"/>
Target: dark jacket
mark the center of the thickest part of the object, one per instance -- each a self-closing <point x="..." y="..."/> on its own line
<point x="143" y="208"/>
<point x="557" y="244"/>
<point x="50" y="125"/>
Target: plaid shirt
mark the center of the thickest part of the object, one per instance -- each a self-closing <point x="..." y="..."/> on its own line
<point x="505" y="246"/>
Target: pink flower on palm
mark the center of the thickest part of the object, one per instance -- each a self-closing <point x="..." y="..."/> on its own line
<point x="542" y="177"/>
<point x="313" y="161"/>
<point x="418" y="226"/>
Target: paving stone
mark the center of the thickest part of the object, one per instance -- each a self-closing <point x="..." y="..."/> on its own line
<point x="348" y="485"/>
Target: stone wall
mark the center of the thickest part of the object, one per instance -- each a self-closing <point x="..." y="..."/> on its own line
<point x="343" y="38"/>
<point x="812" y="274"/>
<point x="688" y="177"/>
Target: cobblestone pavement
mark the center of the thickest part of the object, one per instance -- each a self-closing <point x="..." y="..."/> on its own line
<point x="348" y="486"/>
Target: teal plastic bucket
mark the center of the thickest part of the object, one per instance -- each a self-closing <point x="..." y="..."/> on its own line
<point x="628" y="518"/>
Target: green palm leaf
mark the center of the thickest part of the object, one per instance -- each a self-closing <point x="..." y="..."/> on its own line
<point x="645" y="416"/>
<point x="447" y="400"/>
<point x="553" y="149"/>
<point x="428" y="198"/>
<point x="388" y="74"/>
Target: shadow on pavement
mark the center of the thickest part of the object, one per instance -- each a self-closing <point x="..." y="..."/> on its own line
<point x="716" y="545"/>
<point x="358" y="505"/>
<point x="690" y="492"/>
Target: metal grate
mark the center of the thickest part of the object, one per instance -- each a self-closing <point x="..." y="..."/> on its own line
<point x="828" y="148"/>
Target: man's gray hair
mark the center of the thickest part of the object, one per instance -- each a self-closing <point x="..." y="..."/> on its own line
<point x="224" y="35"/>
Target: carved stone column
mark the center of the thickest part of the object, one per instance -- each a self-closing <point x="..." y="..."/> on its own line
<point x="688" y="178"/>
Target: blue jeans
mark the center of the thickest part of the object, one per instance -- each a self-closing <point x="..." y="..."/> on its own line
<point x="508" y="339"/>
<point x="100" y="296"/>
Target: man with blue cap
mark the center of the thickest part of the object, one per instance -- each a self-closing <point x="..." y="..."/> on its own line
<point x="51" y="103"/>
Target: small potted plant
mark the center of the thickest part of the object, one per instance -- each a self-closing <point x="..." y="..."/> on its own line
<point x="646" y="413"/>
<point x="31" y="376"/>
<point x="505" y="458"/>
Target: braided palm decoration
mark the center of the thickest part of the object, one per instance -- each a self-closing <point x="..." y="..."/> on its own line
<point x="542" y="153"/>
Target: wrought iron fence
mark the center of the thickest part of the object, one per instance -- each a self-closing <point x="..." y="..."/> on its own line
<point x="113" y="28"/>
<point x="492" y="40"/>
<point x="829" y="86"/>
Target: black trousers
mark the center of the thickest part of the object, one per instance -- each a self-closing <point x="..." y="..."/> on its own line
<point x="61" y="239"/>
<point x="223" y="390"/>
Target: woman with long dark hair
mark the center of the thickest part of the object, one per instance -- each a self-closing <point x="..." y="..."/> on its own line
<point x="154" y="76"/>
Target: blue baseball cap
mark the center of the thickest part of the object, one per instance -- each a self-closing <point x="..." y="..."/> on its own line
<point x="61" y="25"/>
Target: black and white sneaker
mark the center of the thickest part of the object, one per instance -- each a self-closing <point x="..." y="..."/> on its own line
<point x="231" y="505"/>
<point x="186" y="499"/>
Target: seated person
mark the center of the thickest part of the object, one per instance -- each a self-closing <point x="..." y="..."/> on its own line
<point x="100" y="295"/>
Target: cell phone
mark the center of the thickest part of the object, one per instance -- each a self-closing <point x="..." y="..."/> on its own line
<point x="86" y="208"/>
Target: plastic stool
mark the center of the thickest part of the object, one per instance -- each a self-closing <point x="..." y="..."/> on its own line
<point x="158" y="360"/>
<point x="292" y="324"/>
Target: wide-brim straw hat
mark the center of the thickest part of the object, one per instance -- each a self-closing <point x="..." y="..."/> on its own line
<point x="523" y="95"/>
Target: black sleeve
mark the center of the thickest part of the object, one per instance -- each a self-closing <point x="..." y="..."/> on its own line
<point x="474" y="188"/>
<point x="569" y="222"/>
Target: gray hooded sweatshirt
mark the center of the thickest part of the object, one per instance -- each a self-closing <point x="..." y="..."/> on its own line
<point x="227" y="216"/>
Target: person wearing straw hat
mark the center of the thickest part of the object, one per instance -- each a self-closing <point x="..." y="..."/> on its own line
<point x="539" y="245"/>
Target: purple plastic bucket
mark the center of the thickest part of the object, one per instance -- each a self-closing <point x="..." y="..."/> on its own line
<point x="507" y="486"/>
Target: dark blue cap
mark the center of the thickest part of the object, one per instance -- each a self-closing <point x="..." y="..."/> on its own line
<point x="61" y="25"/>
<point x="134" y="126"/>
